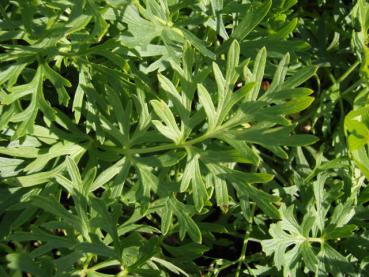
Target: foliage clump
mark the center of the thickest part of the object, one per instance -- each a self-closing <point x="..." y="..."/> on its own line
<point x="195" y="138"/>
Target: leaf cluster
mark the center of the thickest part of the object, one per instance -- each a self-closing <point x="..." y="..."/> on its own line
<point x="166" y="137"/>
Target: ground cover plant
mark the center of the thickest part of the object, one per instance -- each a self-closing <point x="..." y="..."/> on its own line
<point x="184" y="138"/>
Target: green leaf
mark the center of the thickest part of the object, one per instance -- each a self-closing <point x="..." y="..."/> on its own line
<point x="109" y="173"/>
<point x="251" y="19"/>
<point x="97" y="248"/>
<point x="23" y="262"/>
<point x="274" y="137"/>
<point x="170" y="129"/>
<point x="232" y="62"/>
<point x="188" y="174"/>
<point x="59" y="82"/>
<point x="79" y="94"/>
<point x="105" y="221"/>
<point x="166" y="218"/>
<point x="293" y="106"/>
<point x="179" y="101"/>
<point x="74" y="172"/>
<point x="149" y="249"/>
<point x="78" y="23"/>
<point x="241" y="182"/>
<point x="258" y="73"/>
<point x="27" y="117"/>
<point x="221" y="194"/>
<point x="335" y="262"/>
<point x="207" y="103"/>
<point x="340" y="232"/>
<point x="310" y="259"/>
<point x="170" y="266"/>
<point x="198" y="44"/>
<point x="186" y="222"/>
<point x="199" y="193"/>
<point x="192" y="174"/>
<point x="11" y="74"/>
<point x="52" y="206"/>
<point x="300" y="77"/>
<point x="248" y="154"/>
<point x="247" y="177"/>
<point x="287" y="234"/>
<point x="68" y="185"/>
<point x="148" y="180"/>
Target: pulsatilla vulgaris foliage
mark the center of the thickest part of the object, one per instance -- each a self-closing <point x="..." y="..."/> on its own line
<point x="164" y="137"/>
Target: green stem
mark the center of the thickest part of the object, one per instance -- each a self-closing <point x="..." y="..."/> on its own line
<point x="103" y="264"/>
<point x="88" y="260"/>
<point x="217" y="270"/>
<point x="243" y="254"/>
<point x="170" y="146"/>
<point x="319" y="240"/>
<point x="348" y="72"/>
<point x="242" y="257"/>
<point x="351" y="88"/>
<point x="123" y="273"/>
<point x="158" y="148"/>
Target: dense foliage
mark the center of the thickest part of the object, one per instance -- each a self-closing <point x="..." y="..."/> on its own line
<point x="184" y="137"/>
